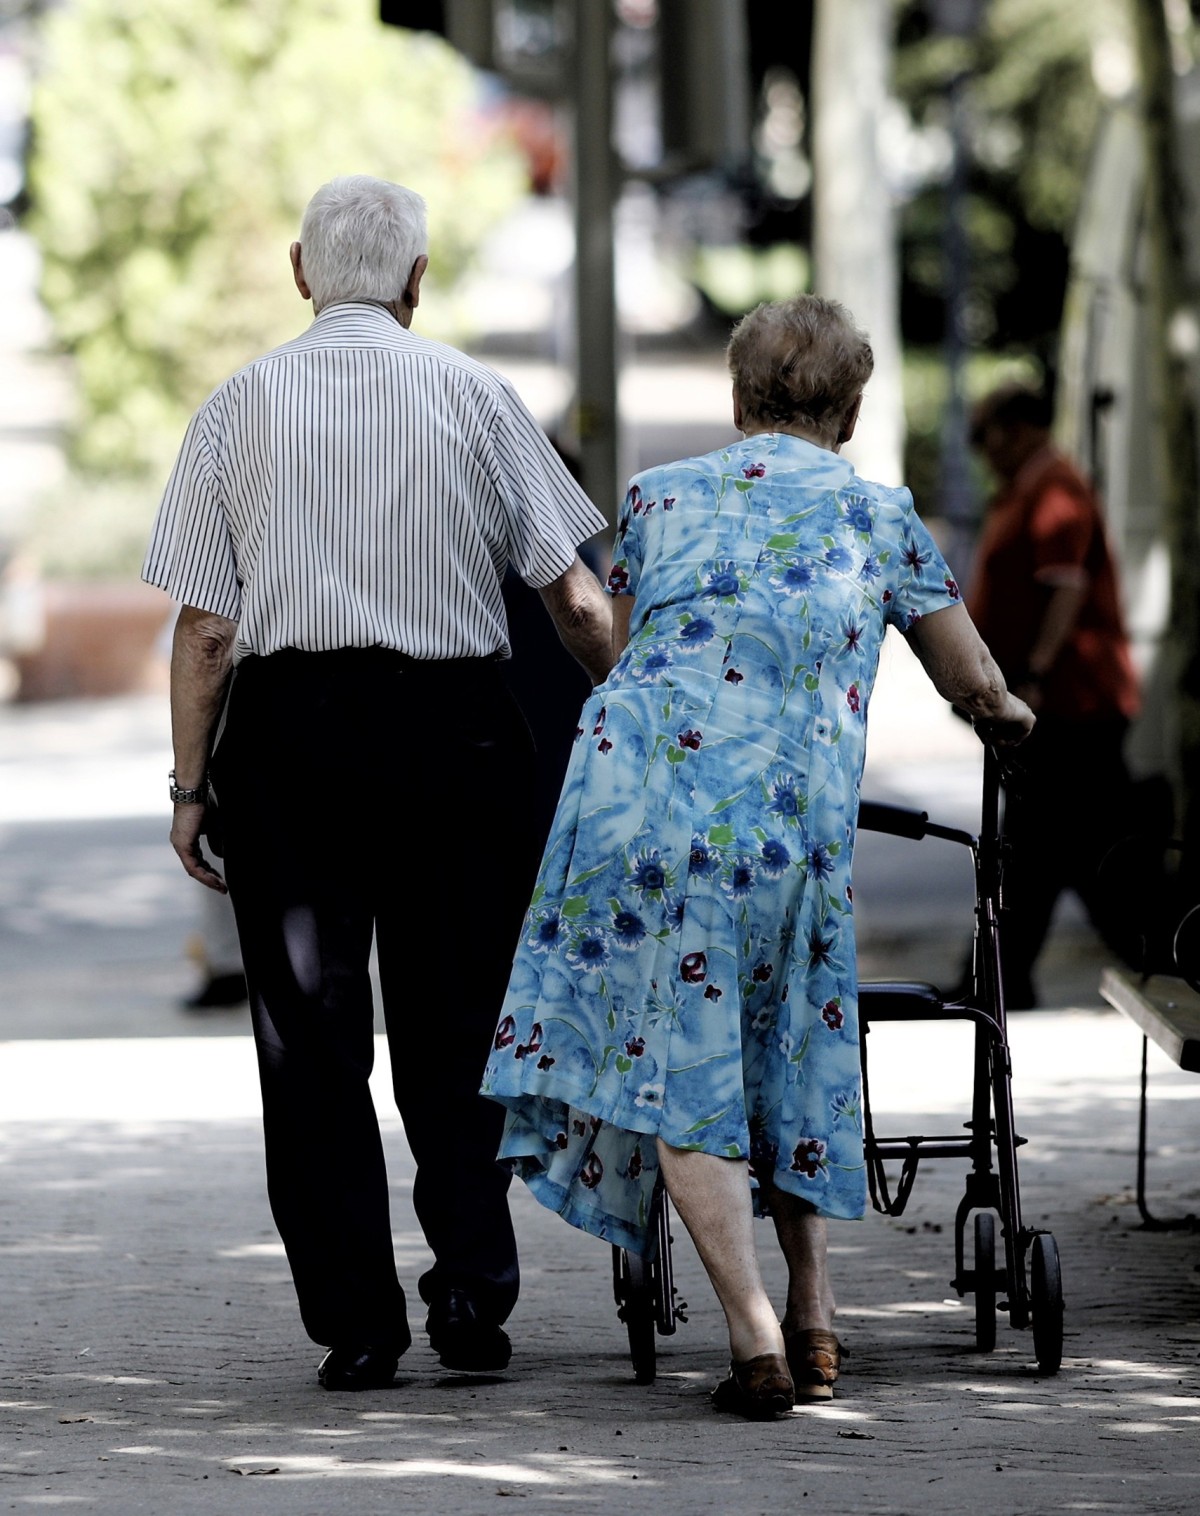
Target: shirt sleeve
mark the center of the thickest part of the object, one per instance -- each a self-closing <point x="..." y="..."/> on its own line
<point x="191" y="552"/>
<point x="921" y="579"/>
<point x="548" y="514"/>
<point x="1060" y="530"/>
<point x="626" y="567"/>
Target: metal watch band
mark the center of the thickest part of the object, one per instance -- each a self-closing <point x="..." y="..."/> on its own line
<point x="198" y="795"/>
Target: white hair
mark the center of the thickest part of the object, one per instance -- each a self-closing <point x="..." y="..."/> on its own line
<point x="360" y="238"/>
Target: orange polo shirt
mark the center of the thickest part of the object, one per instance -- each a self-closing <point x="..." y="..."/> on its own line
<point x="1048" y="519"/>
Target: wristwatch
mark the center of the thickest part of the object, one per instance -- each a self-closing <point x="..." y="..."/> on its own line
<point x="195" y="796"/>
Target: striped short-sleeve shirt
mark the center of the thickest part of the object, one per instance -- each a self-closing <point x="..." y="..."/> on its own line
<point x="361" y="486"/>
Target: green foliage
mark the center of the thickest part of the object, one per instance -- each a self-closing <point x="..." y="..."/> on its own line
<point x="175" y="147"/>
<point x="926" y="396"/>
<point x="1032" y="106"/>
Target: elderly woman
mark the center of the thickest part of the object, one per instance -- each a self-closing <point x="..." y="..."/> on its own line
<point x="684" y="998"/>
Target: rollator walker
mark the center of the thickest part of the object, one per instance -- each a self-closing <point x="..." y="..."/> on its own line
<point x="1022" y="1277"/>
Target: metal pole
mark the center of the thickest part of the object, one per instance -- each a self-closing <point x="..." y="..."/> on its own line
<point x="596" y="185"/>
<point x="958" y="503"/>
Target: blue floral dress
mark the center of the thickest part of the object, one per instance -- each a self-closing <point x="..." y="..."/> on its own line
<point x="687" y="964"/>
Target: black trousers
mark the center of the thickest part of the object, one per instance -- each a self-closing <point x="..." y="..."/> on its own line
<point x="366" y="796"/>
<point x="1071" y="798"/>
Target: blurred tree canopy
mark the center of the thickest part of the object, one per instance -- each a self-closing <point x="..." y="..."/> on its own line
<point x="174" y="149"/>
<point x="1033" y="102"/>
<point x="1032" y="79"/>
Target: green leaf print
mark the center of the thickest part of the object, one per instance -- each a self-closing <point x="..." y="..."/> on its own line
<point x="623" y="1064"/>
<point x="722" y="836"/>
<point x="702" y="1123"/>
<point x="675" y="754"/>
<point x="575" y="906"/>
<point x="782" y="542"/>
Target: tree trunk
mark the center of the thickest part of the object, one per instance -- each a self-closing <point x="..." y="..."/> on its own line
<point x="854" y="243"/>
<point x="1173" y="407"/>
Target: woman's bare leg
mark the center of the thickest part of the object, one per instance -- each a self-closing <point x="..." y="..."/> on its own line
<point x="712" y="1196"/>
<point x="803" y="1239"/>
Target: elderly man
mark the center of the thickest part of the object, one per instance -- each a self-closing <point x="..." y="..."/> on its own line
<point x="1045" y="597"/>
<point x="336" y="528"/>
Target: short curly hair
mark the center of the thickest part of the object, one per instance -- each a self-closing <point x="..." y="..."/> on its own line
<point x="799" y="360"/>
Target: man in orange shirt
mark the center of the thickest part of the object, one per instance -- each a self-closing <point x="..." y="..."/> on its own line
<point x="1045" y="598"/>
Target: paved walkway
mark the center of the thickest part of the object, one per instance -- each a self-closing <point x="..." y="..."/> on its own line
<point x="151" y="1358"/>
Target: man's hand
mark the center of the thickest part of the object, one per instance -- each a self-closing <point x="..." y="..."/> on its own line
<point x="185" y="839"/>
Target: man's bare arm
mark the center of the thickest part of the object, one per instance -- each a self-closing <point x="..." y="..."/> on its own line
<point x="201" y="663"/>
<point x="582" y="615"/>
<point x="963" y="672"/>
<point x="622" y="615"/>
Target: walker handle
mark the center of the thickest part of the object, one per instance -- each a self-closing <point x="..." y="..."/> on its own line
<point x="895" y="820"/>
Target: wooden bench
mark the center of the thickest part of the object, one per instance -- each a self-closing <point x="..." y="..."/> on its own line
<point x="1166" y="1009"/>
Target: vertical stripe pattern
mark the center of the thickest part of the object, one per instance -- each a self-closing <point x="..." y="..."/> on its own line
<point x="359" y="487"/>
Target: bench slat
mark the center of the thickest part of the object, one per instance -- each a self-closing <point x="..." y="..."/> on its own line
<point x="1165" y="1008"/>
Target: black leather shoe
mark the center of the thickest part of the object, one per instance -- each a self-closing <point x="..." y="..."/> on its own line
<point x="360" y="1367"/>
<point x="462" y="1340"/>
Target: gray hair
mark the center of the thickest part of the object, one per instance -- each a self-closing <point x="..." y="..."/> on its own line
<point x="360" y="238"/>
<point x="801" y="360"/>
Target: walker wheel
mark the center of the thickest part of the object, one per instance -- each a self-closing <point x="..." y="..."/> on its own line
<point x="985" y="1281"/>
<point x="635" y="1306"/>
<point x="1046" y="1303"/>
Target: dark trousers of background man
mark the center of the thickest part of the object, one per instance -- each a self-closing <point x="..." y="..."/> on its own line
<point x="1070" y="802"/>
<point x="364" y="795"/>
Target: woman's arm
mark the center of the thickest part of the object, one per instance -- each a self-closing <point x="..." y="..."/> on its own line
<point x="963" y="672"/>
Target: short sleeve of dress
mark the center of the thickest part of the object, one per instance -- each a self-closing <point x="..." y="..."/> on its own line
<point x="627" y="548"/>
<point x="548" y="515"/>
<point x="191" y="553"/>
<point x="921" y="579"/>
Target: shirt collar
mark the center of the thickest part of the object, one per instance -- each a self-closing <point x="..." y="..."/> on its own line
<point x="358" y="308"/>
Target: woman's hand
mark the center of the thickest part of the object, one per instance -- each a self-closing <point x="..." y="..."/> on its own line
<point x="1010" y="727"/>
<point x="956" y="659"/>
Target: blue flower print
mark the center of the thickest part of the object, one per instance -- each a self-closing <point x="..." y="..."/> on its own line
<point x="786" y="799"/>
<point x="675" y="910"/>
<point x="723" y="583"/>
<point x="839" y="559"/>
<point x="652" y="667"/>
<point x="696" y="632"/>
<point x="795" y="578"/>
<point x="859" y="517"/>
<point x="774" y="857"/>
<point x="845" y="1105"/>
<point x="649" y="873"/>
<point x="740" y="880"/>
<point x="589" y="953"/>
<point x="819" y="861"/>
<point x="702" y="859"/>
<point x="870" y="569"/>
<point x="546" y="933"/>
<point x="628" y="930"/>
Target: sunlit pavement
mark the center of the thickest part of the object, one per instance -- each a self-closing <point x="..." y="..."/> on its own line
<point x="150" y="1343"/>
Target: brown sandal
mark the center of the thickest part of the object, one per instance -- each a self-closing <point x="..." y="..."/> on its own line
<point x="758" y="1389"/>
<point x="814" y="1357"/>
